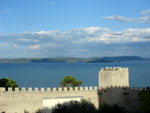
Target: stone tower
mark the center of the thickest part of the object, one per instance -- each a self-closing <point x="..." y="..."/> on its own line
<point x="113" y="76"/>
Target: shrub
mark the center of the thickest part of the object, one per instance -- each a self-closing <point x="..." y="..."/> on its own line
<point x="106" y="108"/>
<point x="75" y="107"/>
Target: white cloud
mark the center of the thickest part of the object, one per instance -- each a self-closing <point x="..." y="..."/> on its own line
<point x="15" y="46"/>
<point x="80" y="35"/>
<point x="54" y="45"/>
<point x="120" y="18"/>
<point x="27" y="40"/>
<point x="125" y="36"/>
<point x="85" y="41"/>
<point x="143" y="19"/>
<point x="146" y="12"/>
<point x="34" y="47"/>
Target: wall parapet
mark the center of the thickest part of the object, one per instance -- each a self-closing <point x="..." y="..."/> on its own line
<point x="42" y="89"/>
<point x="126" y="88"/>
<point x="114" y="68"/>
<point x="67" y="89"/>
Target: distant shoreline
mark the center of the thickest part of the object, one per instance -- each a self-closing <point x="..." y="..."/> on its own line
<point x="69" y="59"/>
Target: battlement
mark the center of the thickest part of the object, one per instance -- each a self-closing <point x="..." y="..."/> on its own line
<point x="125" y="88"/>
<point x="59" y="89"/>
<point x="113" y="76"/>
<point x="69" y="89"/>
<point x="113" y="68"/>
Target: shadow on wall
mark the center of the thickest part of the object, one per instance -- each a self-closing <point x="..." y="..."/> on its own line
<point x="122" y="96"/>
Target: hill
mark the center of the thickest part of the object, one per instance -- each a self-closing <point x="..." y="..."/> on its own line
<point x="72" y="59"/>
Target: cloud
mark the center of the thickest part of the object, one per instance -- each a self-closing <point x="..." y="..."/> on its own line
<point x="119" y="18"/>
<point x="27" y="40"/>
<point x="79" y="42"/>
<point x="146" y="12"/>
<point x="52" y="3"/>
<point x="15" y="46"/>
<point x="125" y="36"/>
<point x="34" y="47"/>
<point x="143" y="19"/>
<point x="3" y="11"/>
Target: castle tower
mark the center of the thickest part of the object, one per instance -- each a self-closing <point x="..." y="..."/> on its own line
<point x="113" y="76"/>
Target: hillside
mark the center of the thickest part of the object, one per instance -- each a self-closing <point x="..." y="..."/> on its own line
<point x="71" y="59"/>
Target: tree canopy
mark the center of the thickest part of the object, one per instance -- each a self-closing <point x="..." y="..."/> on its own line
<point x="6" y="82"/>
<point x="70" y="81"/>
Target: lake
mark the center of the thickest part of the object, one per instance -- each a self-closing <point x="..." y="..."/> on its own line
<point x="50" y="74"/>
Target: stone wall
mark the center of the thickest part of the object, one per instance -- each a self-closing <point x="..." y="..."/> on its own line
<point x="30" y="100"/>
<point x="127" y="97"/>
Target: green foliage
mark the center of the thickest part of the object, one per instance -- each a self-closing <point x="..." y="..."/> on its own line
<point x="39" y="111"/>
<point x="70" y="81"/>
<point x="6" y="82"/>
<point x="106" y="108"/>
<point x="75" y="107"/>
<point x="145" y="100"/>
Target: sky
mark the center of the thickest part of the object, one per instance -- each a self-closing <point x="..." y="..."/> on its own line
<point x="74" y="28"/>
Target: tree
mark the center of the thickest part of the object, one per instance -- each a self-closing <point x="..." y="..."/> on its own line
<point x="6" y="82"/>
<point x="70" y="81"/>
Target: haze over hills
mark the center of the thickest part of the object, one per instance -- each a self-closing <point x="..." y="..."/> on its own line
<point x="73" y="59"/>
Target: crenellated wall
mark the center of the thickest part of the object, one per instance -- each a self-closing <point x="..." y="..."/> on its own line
<point x="32" y="99"/>
<point x="29" y="99"/>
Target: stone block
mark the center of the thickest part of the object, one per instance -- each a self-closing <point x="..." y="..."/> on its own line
<point x="70" y="88"/>
<point x="36" y="89"/>
<point x="86" y="88"/>
<point x="42" y="89"/>
<point x="54" y="89"/>
<point x="2" y="89"/>
<point x="60" y="89"/>
<point x="65" y="89"/>
<point x="91" y="88"/>
<point x="76" y="88"/>
<point x="95" y="88"/>
<point x="30" y="89"/>
<point x="23" y="89"/>
<point x="10" y="89"/>
<point x="48" y="89"/>
<point x="81" y="88"/>
<point x="16" y="89"/>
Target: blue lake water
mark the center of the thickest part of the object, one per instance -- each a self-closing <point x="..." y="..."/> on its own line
<point x="50" y="74"/>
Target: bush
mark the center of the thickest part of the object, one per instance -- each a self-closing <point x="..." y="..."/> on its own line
<point x="106" y="108"/>
<point x="75" y="107"/>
